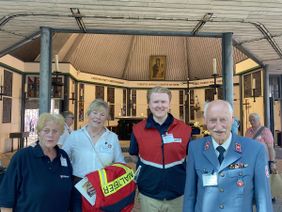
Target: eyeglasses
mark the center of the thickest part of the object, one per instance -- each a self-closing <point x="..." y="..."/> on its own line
<point x="70" y="117"/>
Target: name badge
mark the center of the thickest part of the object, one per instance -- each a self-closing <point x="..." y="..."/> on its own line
<point x="209" y="179"/>
<point x="64" y="162"/>
<point x="168" y="138"/>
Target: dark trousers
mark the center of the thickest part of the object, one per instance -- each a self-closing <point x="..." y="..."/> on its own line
<point x="76" y="202"/>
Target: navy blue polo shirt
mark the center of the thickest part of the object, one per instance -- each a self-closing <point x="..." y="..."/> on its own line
<point x="34" y="183"/>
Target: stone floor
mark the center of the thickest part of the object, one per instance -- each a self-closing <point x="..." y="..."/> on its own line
<point x="5" y="158"/>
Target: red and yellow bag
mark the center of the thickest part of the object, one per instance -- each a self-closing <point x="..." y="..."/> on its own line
<point x="115" y="189"/>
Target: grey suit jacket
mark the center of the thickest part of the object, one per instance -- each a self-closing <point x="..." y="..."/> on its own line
<point x="242" y="178"/>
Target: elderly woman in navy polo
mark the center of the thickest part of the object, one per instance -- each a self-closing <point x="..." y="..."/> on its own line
<point x="38" y="178"/>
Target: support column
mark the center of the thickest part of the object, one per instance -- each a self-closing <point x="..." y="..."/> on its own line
<point x="45" y="70"/>
<point x="227" y="67"/>
<point x="266" y="96"/>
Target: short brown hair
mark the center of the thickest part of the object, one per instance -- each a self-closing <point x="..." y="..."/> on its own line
<point x="158" y="89"/>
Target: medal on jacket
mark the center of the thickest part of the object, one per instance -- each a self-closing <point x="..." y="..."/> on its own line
<point x="238" y="147"/>
<point x="240" y="183"/>
<point x="207" y="145"/>
<point x="238" y="165"/>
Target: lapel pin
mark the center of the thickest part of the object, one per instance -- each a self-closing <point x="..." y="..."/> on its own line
<point x="238" y="147"/>
<point x="240" y="183"/>
<point x="207" y="145"/>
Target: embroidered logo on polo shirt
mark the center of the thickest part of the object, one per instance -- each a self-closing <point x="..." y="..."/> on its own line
<point x="64" y="176"/>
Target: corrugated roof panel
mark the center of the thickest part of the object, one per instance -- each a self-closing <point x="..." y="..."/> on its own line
<point x="237" y="16"/>
<point x="260" y="50"/>
<point x="200" y="53"/>
<point x="101" y="54"/>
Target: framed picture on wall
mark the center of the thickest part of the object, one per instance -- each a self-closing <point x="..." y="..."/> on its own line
<point x="157" y="65"/>
<point x="81" y="102"/>
<point x="32" y="86"/>
<point x="257" y="77"/>
<point x="57" y="87"/>
<point x="209" y="95"/>
<point x="99" y="92"/>
<point x="247" y="86"/>
<point x="7" y="110"/>
<point x="8" y="83"/>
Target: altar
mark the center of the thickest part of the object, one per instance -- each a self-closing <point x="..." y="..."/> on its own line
<point x="125" y="124"/>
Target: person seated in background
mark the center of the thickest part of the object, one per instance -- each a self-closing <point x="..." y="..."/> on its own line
<point x="92" y="147"/>
<point x="69" y="119"/>
<point x="39" y="177"/>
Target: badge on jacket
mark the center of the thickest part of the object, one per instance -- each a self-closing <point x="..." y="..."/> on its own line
<point x="209" y="179"/>
<point x="168" y="138"/>
<point x="63" y="161"/>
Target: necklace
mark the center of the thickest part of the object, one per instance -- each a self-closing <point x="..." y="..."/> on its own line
<point x="97" y="134"/>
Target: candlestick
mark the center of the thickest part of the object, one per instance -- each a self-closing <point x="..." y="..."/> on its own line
<point x="214" y="66"/>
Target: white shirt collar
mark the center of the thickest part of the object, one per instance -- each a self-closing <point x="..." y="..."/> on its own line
<point x="225" y="145"/>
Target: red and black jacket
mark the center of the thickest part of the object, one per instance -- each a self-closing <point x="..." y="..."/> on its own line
<point x="163" y="164"/>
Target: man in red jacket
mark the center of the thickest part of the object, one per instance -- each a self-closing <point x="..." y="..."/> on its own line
<point x="160" y="142"/>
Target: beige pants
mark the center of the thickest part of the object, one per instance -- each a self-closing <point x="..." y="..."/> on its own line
<point x="149" y="204"/>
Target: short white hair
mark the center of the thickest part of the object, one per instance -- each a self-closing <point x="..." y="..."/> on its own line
<point x="207" y="104"/>
<point x="255" y="116"/>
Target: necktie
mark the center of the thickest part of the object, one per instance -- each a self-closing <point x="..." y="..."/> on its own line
<point x="221" y="151"/>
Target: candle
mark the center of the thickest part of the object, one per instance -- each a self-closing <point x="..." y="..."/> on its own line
<point x="254" y="83"/>
<point x="25" y="87"/>
<point x="214" y="71"/>
<point x="57" y="62"/>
